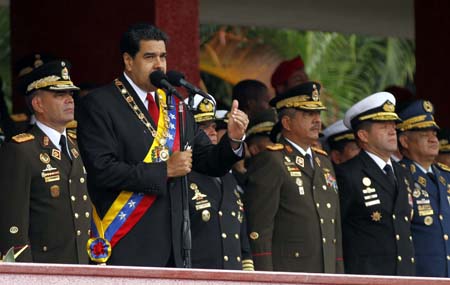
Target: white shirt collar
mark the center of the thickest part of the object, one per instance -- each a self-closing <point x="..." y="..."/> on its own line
<point x="430" y="169"/>
<point x="141" y="93"/>
<point x="52" y="134"/>
<point x="380" y="162"/>
<point x="299" y="148"/>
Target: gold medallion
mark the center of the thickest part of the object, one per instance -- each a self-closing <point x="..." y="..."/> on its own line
<point x="56" y="154"/>
<point x="416" y="193"/>
<point x="376" y="216"/>
<point x="427" y="106"/>
<point x="412" y="167"/>
<point x="164" y="155"/>
<point x="44" y="157"/>
<point x="254" y="235"/>
<point x="54" y="191"/>
<point x="422" y="181"/>
<point x="206" y="215"/>
<point x="428" y="220"/>
<point x="366" y="181"/>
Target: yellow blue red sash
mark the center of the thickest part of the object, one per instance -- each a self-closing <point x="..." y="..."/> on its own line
<point x="129" y="207"/>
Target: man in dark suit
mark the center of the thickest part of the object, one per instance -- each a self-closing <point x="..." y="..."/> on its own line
<point x="419" y="146"/>
<point x="44" y="202"/>
<point x="218" y="223"/>
<point x="129" y="140"/>
<point x="340" y="141"/>
<point x="291" y="197"/>
<point x="376" y="213"/>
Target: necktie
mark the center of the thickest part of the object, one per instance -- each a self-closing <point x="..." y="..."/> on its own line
<point x="389" y="173"/>
<point x="432" y="177"/>
<point x="153" y="109"/>
<point x="63" y="144"/>
<point x="308" y="163"/>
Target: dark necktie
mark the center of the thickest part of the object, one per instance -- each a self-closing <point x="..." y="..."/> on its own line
<point x="63" y="144"/>
<point x="390" y="174"/>
<point x="153" y="109"/>
<point x="432" y="177"/>
<point x="308" y="162"/>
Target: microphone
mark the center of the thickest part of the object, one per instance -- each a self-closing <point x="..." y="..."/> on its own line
<point x="177" y="79"/>
<point x="160" y="80"/>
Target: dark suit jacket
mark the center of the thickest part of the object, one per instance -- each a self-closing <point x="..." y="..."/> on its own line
<point x="293" y="213"/>
<point x="376" y="218"/>
<point x="52" y="216"/>
<point x="114" y="143"/>
<point x="218" y="224"/>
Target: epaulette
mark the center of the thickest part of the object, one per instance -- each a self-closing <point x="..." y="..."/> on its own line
<point x="444" y="167"/>
<point x="273" y="147"/>
<point x="18" y="118"/>
<point x="72" y="124"/>
<point x="318" y="150"/>
<point x="24" y="137"/>
<point x="72" y="134"/>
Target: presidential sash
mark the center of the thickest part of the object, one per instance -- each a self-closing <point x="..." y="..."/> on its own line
<point x="129" y="207"/>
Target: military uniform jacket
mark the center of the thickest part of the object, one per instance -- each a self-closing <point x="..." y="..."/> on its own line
<point x="44" y="201"/>
<point x="218" y="226"/>
<point x="431" y="220"/>
<point x="293" y="212"/>
<point x="376" y="218"/>
<point x="114" y="143"/>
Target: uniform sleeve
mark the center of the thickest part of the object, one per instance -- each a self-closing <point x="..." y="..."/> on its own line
<point x="15" y="180"/>
<point x="247" y="260"/>
<point x="339" y="251"/>
<point x="345" y="190"/>
<point x="99" y="146"/>
<point x="262" y="198"/>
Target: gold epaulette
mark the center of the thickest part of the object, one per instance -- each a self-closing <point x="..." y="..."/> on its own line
<point x="444" y="167"/>
<point x="247" y="265"/>
<point x="318" y="150"/>
<point x="18" y="118"/>
<point x="273" y="147"/>
<point x="72" y="134"/>
<point x="24" y="137"/>
<point x="72" y="124"/>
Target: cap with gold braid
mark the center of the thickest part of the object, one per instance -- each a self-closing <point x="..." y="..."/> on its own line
<point x="378" y="107"/>
<point x="262" y="124"/>
<point x="53" y="75"/>
<point x="203" y="109"/>
<point x="305" y="97"/>
<point x="338" y="132"/>
<point x="417" y="115"/>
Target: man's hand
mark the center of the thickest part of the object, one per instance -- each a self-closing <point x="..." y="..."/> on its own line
<point x="237" y="124"/>
<point x="179" y="163"/>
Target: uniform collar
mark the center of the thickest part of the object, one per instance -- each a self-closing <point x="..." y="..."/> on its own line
<point x="52" y="134"/>
<point x="381" y="163"/>
<point x="299" y="148"/>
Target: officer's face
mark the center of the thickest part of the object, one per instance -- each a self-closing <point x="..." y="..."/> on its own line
<point x="210" y="129"/>
<point x="380" y="138"/>
<point x="55" y="109"/>
<point x="150" y="57"/>
<point x="303" y="127"/>
<point x="420" y="145"/>
<point x="351" y="149"/>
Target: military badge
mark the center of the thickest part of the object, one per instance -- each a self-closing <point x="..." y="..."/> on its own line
<point x="197" y="194"/>
<point x="14" y="230"/>
<point x="412" y="167"/>
<point x="206" y="215"/>
<point x="99" y="249"/>
<point x="406" y="182"/>
<point x="428" y="220"/>
<point x="442" y="180"/>
<point x="50" y="174"/>
<point x="301" y="190"/>
<point x="422" y="181"/>
<point x="287" y="159"/>
<point x="56" y="154"/>
<point x="74" y="152"/>
<point x="331" y="181"/>
<point x="299" y="181"/>
<point x="300" y="161"/>
<point x="200" y="205"/>
<point x="427" y="106"/>
<point x="288" y="148"/>
<point x="416" y="193"/>
<point x="45" y="141"/>
<point x="376" y="216"/>
<point x="254" y="235"/>
<point x="317" y="160"/>
<point x="295" y="173"/>
<point x="44" y="157"/>
<point x="315" y="93"/>
<point x="240" y="216"/>
<point x="54" y="191"/>
<point x="425" y="193"/>
<point x="389" y="106"/>
<point x="366" y="181"/>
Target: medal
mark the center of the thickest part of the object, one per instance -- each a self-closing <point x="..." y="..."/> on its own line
<point x="99" y="249"/>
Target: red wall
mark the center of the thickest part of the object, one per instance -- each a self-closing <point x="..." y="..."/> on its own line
<point x="87" y="33"/>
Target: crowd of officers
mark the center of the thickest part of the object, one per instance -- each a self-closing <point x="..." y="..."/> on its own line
<point x="377" y="201"/>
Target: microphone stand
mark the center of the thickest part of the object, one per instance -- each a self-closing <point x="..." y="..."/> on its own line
<point x="186" y="230"/>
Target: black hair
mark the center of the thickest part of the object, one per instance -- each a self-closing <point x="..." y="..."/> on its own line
<point x="247" y="90"/>
<point x="130" y="41"/>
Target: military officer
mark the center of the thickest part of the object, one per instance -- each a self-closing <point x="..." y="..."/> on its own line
<point x="258" y="133"/>
<point x="419" y="146"/>
<point x="376" y="215"/>
<point x="218" y="226"/>
<point x="444" y="146"/>
<point x="45" y="207"/>
<point x="340" y="140"/>
<point x="291" y="197"/>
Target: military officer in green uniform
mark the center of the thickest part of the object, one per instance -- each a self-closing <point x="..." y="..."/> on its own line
<point x="291" y="199"/>
<point x="218" y="224"/>
<point x="430" y="224"/>
<point x="44" y="204"/>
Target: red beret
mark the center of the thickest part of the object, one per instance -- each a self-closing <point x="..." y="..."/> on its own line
<point x="285" y="70"/>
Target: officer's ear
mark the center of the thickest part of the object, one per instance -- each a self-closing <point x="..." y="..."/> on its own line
<point x="127" y="61"/>
<point x="363" y="135"/>
<point x="286" y="122"/>
<point x="403" y="140"/>
<point x="36" y="103"/>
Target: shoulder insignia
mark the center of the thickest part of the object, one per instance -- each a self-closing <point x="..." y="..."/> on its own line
<point x="318" y="150"/>
<point x="24" y="137"/>
<point x="72" y="124"/>
<point x="274" y="147"/>
<point x="18" y="118"/>
<point x="72" y="134"/>
<point x="444" y="167"/>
